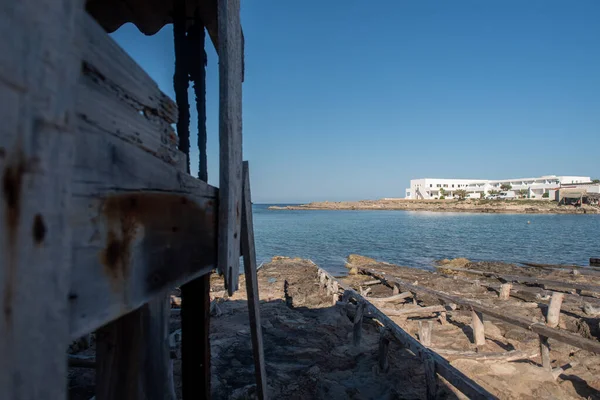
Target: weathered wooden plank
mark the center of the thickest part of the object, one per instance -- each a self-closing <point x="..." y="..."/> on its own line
<point x="133" y="355"/>
<point x="115" y="96"/>
<point x="109" y="61"/>
<point x="250" y="270"/>
<point x="139" y="226"/>
<point x="38" y="73"/>
<point x="496" y="312"/>
<point x="459" y="380"/>
<point x="463" y="383"/>
<point x="530" y="280"/>
<point x="230" y="140"/>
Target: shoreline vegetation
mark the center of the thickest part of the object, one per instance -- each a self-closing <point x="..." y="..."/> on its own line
<point x="521" y="206"/>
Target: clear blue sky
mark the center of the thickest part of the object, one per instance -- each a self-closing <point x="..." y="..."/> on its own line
<point x="351" y="99"/>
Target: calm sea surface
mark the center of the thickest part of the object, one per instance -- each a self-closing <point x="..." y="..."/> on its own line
<point x="418" y="238"/>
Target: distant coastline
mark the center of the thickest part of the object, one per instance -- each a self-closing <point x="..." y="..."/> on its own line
<point x="470" y="206"/>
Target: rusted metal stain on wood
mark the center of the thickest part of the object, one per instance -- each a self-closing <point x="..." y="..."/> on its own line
<point x="12" y="184"/>
<point x="164" y="229"/>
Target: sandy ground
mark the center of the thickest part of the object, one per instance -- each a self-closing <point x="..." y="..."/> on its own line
<point x="524" y="206"/>
<point x="310" y="355"/>
<point x="508" y="380"/>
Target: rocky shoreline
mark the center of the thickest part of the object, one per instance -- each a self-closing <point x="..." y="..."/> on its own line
<point x="524" y="206"/>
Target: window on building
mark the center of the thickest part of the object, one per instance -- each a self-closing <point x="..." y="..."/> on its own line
<point x="431" y="185"/>
<point x="445" y="185"/>
<point x="438" y="185"/>
<point x="453" y="185"/>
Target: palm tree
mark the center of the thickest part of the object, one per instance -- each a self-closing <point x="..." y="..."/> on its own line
<point x="461" y="193"/>
<point x="523" y="193"/>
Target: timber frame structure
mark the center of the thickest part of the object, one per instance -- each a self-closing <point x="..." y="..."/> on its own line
<point x="101" y="218"/>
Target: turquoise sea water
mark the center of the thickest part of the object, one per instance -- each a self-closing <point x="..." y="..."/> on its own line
<point x="416" y="238"/>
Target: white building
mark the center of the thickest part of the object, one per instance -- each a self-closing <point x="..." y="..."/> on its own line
<point x="431" y="188"/>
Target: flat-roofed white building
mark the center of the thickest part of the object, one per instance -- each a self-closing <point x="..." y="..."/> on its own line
<point x="433" y="188"/>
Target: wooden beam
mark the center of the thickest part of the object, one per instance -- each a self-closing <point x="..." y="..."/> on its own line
<point x="140" y="226"/>
<point x="357" y="326"/>
<point x="250" y="271"/>
<point x="459" y="380"/>
<point x="478" y="329"/>
<point x="530" y="280"/>
<point x="39" y="67"/>
<point x="230" y="140"/>
<point x="384" y="345"/>
<point x="495" y="312"/>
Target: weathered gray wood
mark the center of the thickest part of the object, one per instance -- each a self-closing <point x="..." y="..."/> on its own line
<point x="530" y="280"/>
<point x="512" y="355"/>
<point x="393" y="298"/>
<point x="139" y="227"/>
<point x="108" y="60"/>
<point x="425" y="331"/>
<point x="496" y="312"/>
<point x="504" y="293"/>
<point x="358" y="320"/>
<point x="250" y="269"/>
<point x="430" y="375"/>
<point x="230" y="140"/>
<point x="478" y="329"/>
<point x="384" y="345"/>
<point x="443" y="367"/>
<point x="413" y="310"/>
<point x="133" y="355"/>
<point x="545" y="352"/>
<point x="395" y="290"/>
<point x="553" y="313"/>
<point x="38" y="72"/>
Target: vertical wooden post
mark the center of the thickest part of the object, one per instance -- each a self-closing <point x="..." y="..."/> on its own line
<point x="248" y="251"/>
<point x="336" y="295"/>
<point x="430" y="375"/>
<point x="505" y="291"/>
<point x="358" y="319"/>
<point x="552" y="320"/>
<point x="478" y="330"/>
<point x="39" y="70"/>
<point x="230" y="140"/>
<point x="133" y="356"/>
<point x="195" y="295"/>
<point x="384" y="344"/>
<point x="395" y="290"/>
<point x="553" y="314"/>
<point x="425" y="333"/>
<point x="545" y="352"/>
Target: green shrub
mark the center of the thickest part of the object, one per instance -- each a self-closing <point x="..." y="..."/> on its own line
<point x="546" y="195"/>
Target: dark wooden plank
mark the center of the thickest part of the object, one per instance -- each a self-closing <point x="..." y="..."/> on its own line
<point x="250" y="270"/>
<point x="39" y="67"/>
<point x="230" y="140"/>
<point x="133" y="355"/>
<point x="195" y="307"/>
<point x="496" y="312"/>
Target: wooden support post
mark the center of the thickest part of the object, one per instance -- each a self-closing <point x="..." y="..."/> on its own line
<point x="384" y="345"/>
<point x="38" y="73"/>
<point x="249" y="254"/>
<point x="545" y="352"/>
<point x="230" y="140"/>
<point x="430" y="375"/>
<point x="505" y="291"/>
<point x="358" y="319"/>
<point x="553" y="314"/>
<point x="478" y="330"/>
<point x="336" y="295"/>
<point x="425" y="331"/>
<point x="133" y="358"/>
<point x="395" y="290"/>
